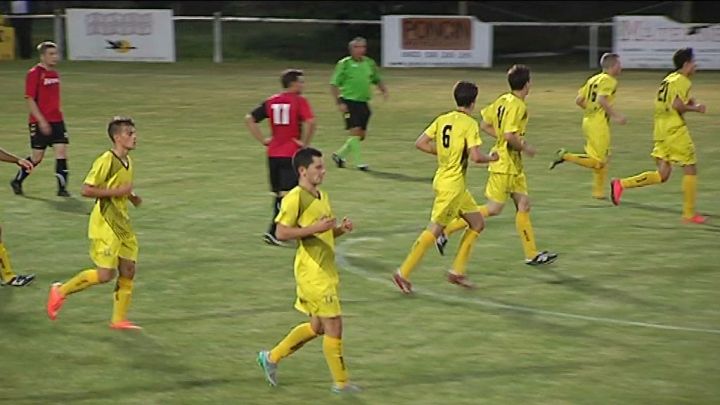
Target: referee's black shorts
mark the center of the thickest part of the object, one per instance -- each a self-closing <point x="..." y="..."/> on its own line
<point x="358" y="114"/>
<point x="282" y="174"/>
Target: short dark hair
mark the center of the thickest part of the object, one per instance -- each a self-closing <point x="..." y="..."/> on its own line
<point x="682" y="56"/>
<point x="465" y="93"/>
<point x="117" y="123"/>
<point x="289" y="77"/>
<point x="304" y="158"/>
<point x="518" y="76"/>
<point x="45" y="45"/>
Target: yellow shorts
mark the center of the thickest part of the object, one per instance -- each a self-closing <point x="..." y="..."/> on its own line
<point x="318" y="299"/>
<point x="448" y="205"/>
<point x="500" y="186"/>
<point x="677" y="148"/>
<point x="597" y="139"/>
<point x="107" y="253"/>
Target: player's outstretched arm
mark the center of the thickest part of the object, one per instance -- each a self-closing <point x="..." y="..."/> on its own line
<point x="99" y="192"/>
<point x="426" y="144"/>
<point x="284" y="232"/>
<point x="6" y="156"/>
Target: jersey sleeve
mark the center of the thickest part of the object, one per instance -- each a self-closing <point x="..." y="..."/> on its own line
<point x="338" y="77"/>
<point x="432" y="130"/>
<point x="512" y="121"/>
<point x="375" y="73"/>
<point x="680" y="88"/>
<point x="98" y="172"/>
<point x="259" y="113"/>
<point x="487" y="114"/>
<point x="606" y="86"/>
<point x="289" y="210"/>
<point x="32" y="80"/>
<point x="306" y="112"/>
<point x="473" y="135"/>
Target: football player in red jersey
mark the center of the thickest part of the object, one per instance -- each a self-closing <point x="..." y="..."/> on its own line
<point x="47" y="128"/>
<point x="292" y="125"/>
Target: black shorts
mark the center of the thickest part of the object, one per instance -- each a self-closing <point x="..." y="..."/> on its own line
<point x="58" y="134"/>
<point x="358" y="114"/>
<point x="282" y="174"/>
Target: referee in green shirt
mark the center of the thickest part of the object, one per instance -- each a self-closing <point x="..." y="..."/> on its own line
<point x="351" y="87"/>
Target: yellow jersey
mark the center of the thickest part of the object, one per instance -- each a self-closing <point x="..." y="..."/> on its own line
<point x="667" y="119"/>
<point x="315" y="256"/>
<point x="454" y="134"/>
<point x="508" y="113"/>
<point x="601" y="84"/>
<point x="109" y="218"/>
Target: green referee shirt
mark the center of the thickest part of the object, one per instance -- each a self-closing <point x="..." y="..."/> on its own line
<point x="354" y="78"/>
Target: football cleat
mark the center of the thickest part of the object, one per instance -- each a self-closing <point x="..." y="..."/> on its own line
<point x="20" y="280"/>
<point x="270" y="239"/>
<point x="340" y="162"/>
<point x="55" y="301"/>
<point x="616" y="190"/>
<point x="696" y="219"/>
<point x="440" y="243"/>
<point x="402" y="283"/>
<point x="63" y="193"/>
<point x="363" y="167"/>
<point x="558" y="159"/>
<point x="124" y="325"/>
<point x="269" y="368"/>
<point x="543" y="257"/>
<point x="16" y="187"/>
<point x="348" y="388"/>
<point x="461" y="280"/>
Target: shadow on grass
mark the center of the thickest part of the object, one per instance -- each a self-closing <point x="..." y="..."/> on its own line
<point x="399" y="177"/>
<point x="70" y="205"/>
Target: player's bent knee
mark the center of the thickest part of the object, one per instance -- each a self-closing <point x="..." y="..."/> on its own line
<point x="105" y="275"/>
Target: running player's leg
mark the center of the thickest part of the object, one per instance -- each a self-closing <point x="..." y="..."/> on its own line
<point x="523" y="225"/>
<point x="38" y="143"/>
<point x="124" y="287"/>
<point x="7" y="275"/>
<point x="661" y="175"/>
<point x="60" y="142"/>
<point x="333" y="352"/>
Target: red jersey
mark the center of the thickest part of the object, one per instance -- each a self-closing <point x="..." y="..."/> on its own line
<point x="287" y="111"/>
<point x="43" y="86"/>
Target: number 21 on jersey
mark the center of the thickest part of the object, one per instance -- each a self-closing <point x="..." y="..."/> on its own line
<point x="280" y="114"/>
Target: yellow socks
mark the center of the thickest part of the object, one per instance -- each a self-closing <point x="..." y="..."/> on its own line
<point x="421" y="245"/>
<point x="294" y="340"/>
<point x="642" y="179"/>
<point x="460" y="223"/>
<point x="583" y="160"/>
<point x="525" y="230"/>
<point x="81" y="281"/>
<point x="121" y="299"/>
<point x="599" y="179"/>
<point x="6" y="271"/>
<point x="464" y="250"/>
<point x="332" y="349"/>
<point x="689" y="188"/>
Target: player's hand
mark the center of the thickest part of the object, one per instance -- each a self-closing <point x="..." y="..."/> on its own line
<point x="45" y="128"/>
<point x="529" y="150"/>
<point x="299" y="143"/>
<point x="324" y="224"/>
<point x="620" y="119"/>
<point x="124" y="190"/>
<point x="700" y="108"/>
<point x="342" y="107"/>
<point x="346" y="225"/>
<point x="135" y="199"/>
<point x="26" y="164"/>
<point x="266" y="141"/>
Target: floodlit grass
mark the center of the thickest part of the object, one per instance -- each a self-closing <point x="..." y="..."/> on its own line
<point x="595" y="327"/>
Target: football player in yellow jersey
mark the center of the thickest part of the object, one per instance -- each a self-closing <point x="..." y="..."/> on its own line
<point x="305" y="215"/>
<point x="453" y="137"/>
<point x="673" y="144"/>
<point x="506" y="120"/>
<point x="596" y="98"/>
<point x="7" y="275"/>
<point x="113" y="245"/>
